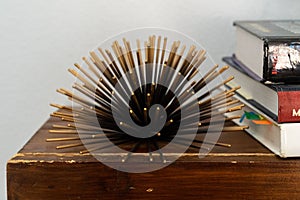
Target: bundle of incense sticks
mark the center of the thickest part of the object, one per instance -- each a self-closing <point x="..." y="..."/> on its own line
<point x="151" y="75"/>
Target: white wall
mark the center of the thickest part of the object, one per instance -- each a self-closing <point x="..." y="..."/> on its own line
<point x="39" y="40"/>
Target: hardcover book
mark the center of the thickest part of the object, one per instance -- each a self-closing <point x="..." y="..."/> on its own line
<point x="279" y="101"/>
<point x="281" y="139"/>
<point x="270" y="48"/>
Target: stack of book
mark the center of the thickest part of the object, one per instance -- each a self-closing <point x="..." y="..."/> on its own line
<point x="266" y="65"/>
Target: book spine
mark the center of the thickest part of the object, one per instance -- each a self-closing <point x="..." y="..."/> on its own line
<point x="288" y="106"/>
<point x="266" y="73"/>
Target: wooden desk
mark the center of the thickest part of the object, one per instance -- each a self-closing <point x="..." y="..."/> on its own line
<point x="245" y="171"/>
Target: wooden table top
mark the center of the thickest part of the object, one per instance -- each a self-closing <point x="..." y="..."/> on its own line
<point x="247" y="170"/>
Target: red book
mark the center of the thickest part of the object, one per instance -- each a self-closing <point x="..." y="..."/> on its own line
<point x="289" y="106"/>
<point x="281" y="102"/>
